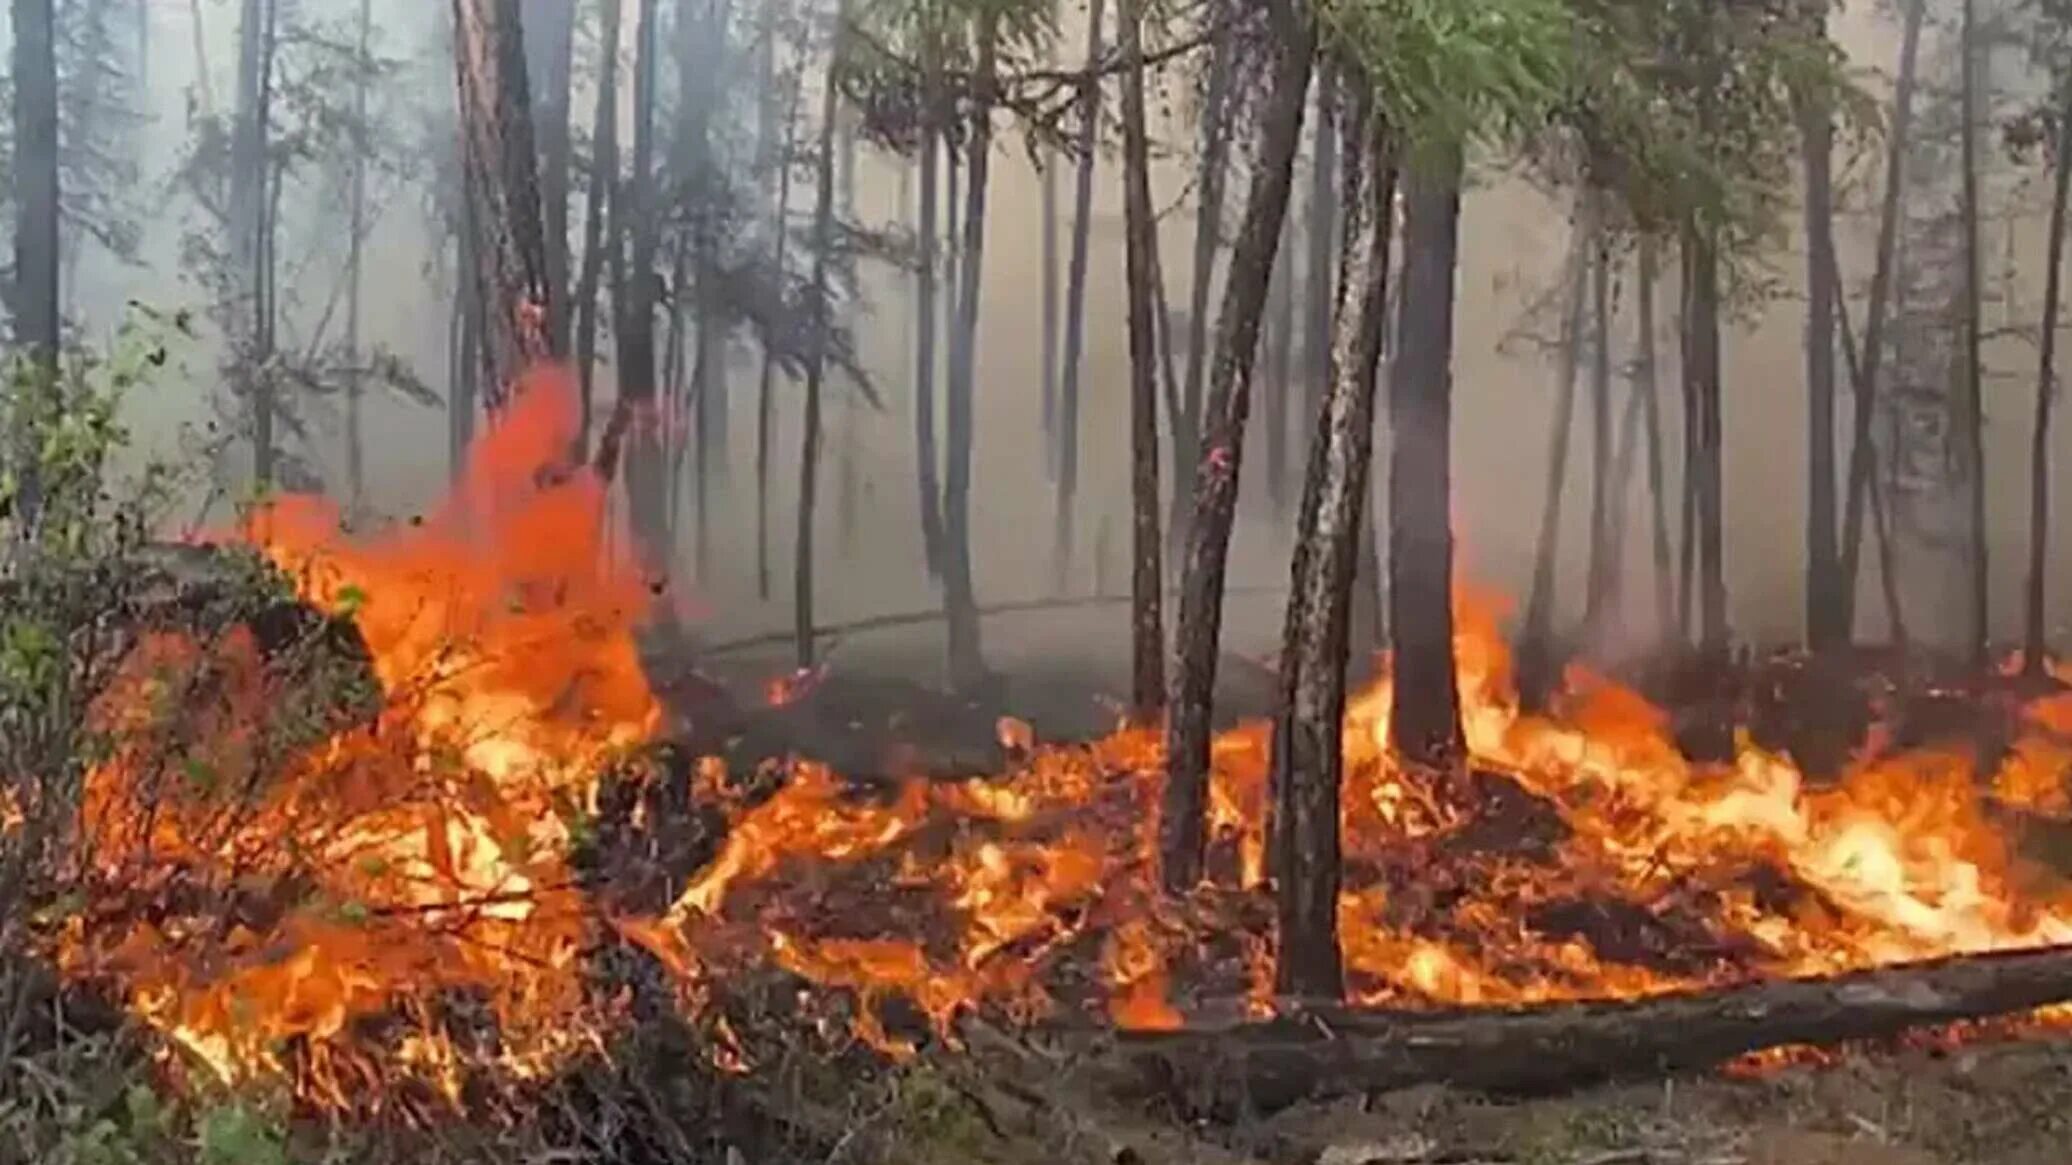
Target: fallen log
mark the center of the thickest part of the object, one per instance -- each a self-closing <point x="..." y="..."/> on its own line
<point x="1263" y="1066"/>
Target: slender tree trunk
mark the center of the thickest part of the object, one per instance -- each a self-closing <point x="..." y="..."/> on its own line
<point x="766" y="400"/>
<point x="1075" y="305"/>
<point x="1319" y="267"/>
<point x="1313" y="655"/>
<point x="550" y="27"/>
<point x="1208" y="233"/>
<point x="251" y="207"/>
<point x="1198" y="632"/>
<point x="1597" y="589"/>
<point x="1050" y="161"/>
<point x="1973" y="417"/>
<point x="2033" y="638"/>
<point x="1425" y="725"/>
<point x="967" y="665"/>
<point x="1701" y="358"/>
<point x="1147" y="576"/>
<point x="1888" y="572"/>
<point x="604" y="172"/>
<point x="1281" y="390"/>
<point x="355" y="451"/>
<point x="1537" y="662"/>
<point x="1861" y="454"/>
<point x="1648" y="385"/>
<point x="816" y="358"/>
<point x="511" y="272"/>
<point x="34" y="297"/>
<point x="1824" y="606"/>
<point x="934" y="134"/>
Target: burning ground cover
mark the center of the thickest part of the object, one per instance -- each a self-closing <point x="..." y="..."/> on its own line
<point x="433" y="892"/>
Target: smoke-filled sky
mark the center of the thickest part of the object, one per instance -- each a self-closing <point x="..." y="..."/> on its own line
<point x="1514" y="244"/>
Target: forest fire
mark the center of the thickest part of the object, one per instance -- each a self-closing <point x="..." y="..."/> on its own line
<point x="418" y="892"/>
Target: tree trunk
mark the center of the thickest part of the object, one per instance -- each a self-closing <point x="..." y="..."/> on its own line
<point x="1147" y="575"/>
<point x="1972" y="423"/>
<point x="1424" y="725"/>
<point x="35" y="294"/>
<point x="816" y="350"/>
<point x="511" y="272"/>
<point x="967" y="666"/>
<point x="1598" y="582"/>
<point x="1208" y="234"/>
<point x="765" y="400"/>
<point x="550" y="27"/>
<point x="2033" y="638"/>
<point x="604" y="172"/>
<point x="934" y="139"/>
<point x="1075" y="305"/>
<point x="1319" y="297"/>
<point x="1648" y="385"/>
<point x="250" y="209"/>
<point x="1326" y="558"/>
<point x="466" y="373"/>
<point x="1873" y="351"/>
<point x="1537" y="662"/>
<point x="1198" y="632"/>
<point x="356" y="197"/>
<point x="1824" y="607"/>
<point x="1281" y="391"/>
<point x="1701" y="361"/>
<point x="1050" y="161"/>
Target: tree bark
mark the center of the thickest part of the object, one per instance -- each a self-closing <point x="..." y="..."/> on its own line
<point x="1701" y="362"/>
<point x="934" y="139"/>
<point x="1597" y="586"/>
<point x="967" y="666"/>
<point x="816" y="358"/>
<point x="1326" y="558"/>
<point x="1340" y="1052"/>
<point x="1873" y="351"/>
<point x="1973" y="418"/>
<point x="1424" y="724"/>
<point x="1824" y="608"/>
<point x="2033" y="631"/>
<point x="1319" y="296"/>
<point x="1282" y="392"/>
<point x="1182" y="826"/>
<point x="511" y="271"/>
<point x="1208" y="234"/>
<point x="550" y="27"/>
<point x="1648" y="384"/>
<point x="1141" y="273"/>
<point x="604" y="171"/>
<point x="1075" y="305"/>
<point x="1050" y="161"/>
<point x="1537" y="662"/>
<point x="35" y="294"/>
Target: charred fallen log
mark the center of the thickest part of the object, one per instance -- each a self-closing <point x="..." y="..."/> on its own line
<point x="1556" y="1047"/>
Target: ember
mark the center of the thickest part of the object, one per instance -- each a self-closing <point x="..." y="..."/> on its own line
<point x="431" y="854"/>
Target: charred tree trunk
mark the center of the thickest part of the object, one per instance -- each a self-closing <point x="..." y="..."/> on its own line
<point x="1824" y="606"/>
<point x="816" y="357"/>
<point x="1598" y="582"/>
<point x="1319" y="296"/>
<point x="2033" y="639"/>
<point x="604" y="173"/>
<point x="1861" y="453"/>
<point x="1537" y="662"/>
<point x="1326" y="558"/>
<point x="934" y="139"/>
<point x="550" y="27"/>
<point x="1198" y="631"/>
<point x="765" y="400"/>
<point x="967" y="665"/>
<point x="35" y="294"/>
<point x="1208" y="234"/>
<point x="1648" y="384"/>
<point x="511" y="271"/>
<point x="1147" y="576"/>
<point x="1973" y="418"/>
<point x="1701" y="363"/>
<point x="1425" y="723"/>
<point x="1075" y="304"/>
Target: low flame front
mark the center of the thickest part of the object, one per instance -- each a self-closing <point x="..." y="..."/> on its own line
<point x="332" y="908"/>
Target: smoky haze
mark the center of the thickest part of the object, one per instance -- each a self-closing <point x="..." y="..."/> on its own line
<point x="1515" y="242"/>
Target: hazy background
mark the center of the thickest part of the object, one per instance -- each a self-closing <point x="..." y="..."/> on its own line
<point x="1514" y="243"/>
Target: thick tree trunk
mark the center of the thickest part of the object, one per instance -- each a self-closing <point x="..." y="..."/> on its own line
<point x="1972" y="418"/>
<point x="926" y="458"/>
<point x="1075" y="306"/>
<point x="1701" y="363"/>
<point x="2033" y="637"/>
<point x="550" y="27"/>
<point x="511" y="272"/>
<point x="1538" y="664"/>
<point x="967" y="666"/>
<point x="1647" y="384"/>
<point x="1208" y="234"/>
<point x="1141" y="273"/>
<point x="1339" y="1052"/>
<point x="1182" y="827"/>
<point x="1319" y="296"/>
<point x="1861" y="453"/>
<point x="1424" y="724"/>
<point x="1824" y="607"/>
<point x="35" y="295"/>
<point x="816" y="358"/>
<point x="1326" y="559"/>
<point x="604" y="171"/>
